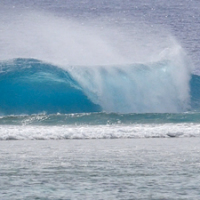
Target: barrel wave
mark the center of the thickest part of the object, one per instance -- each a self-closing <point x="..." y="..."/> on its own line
<point x="53" y="64"/>
<point x="30" y="86"/>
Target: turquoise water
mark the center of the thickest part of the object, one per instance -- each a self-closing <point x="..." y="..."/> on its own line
<point x="31" y="86"/>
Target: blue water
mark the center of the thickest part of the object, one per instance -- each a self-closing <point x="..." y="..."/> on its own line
<point x="38" y="87"/>
<point x="31" y="86"/>
<point x="99" y="99"/>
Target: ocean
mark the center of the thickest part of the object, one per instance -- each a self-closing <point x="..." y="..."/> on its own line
<point x="99" y="99"/>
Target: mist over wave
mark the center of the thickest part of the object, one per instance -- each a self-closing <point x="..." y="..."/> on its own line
<point x="116" y="68"/>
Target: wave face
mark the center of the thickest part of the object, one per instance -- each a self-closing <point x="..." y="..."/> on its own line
<point x="195" y="92"/>
<point x="29" y="86"/>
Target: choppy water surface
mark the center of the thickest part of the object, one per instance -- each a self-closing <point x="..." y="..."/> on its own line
<point x="100" y="169"/>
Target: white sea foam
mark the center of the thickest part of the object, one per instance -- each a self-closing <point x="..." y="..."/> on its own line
<point x="99" y="132"/>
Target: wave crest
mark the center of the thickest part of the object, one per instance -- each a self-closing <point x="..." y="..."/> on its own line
<point x="29" y="86"/>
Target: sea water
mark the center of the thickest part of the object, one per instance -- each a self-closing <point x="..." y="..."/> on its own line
<point x="100" y="169"/>
<point x="75" y="75"/>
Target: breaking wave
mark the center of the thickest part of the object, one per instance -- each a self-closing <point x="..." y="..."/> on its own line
<point x="29" y="86"/>
<point x="52" y="65"/>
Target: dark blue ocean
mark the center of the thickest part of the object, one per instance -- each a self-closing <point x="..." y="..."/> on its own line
<point x="77" y="74"/>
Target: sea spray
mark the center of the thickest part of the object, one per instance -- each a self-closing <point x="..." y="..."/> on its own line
<point x="155" y="86"/>
<point x="122" y="68"/>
